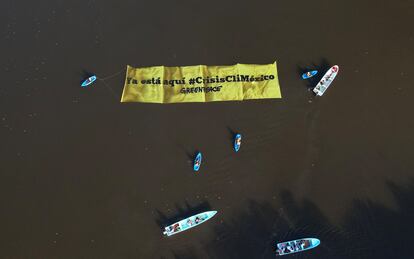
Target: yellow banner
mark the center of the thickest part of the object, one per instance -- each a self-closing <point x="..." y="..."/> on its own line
<point x="201" y="83"/>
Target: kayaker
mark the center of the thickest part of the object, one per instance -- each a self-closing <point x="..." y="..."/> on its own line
<point x="302" y="244"/>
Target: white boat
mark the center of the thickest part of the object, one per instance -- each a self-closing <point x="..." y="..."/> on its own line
<point x="326" y="81"/>
<point x="295" y="246"/>
<point x="189" y="222"/>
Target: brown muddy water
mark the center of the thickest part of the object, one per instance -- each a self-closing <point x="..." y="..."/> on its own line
<point x="85" y="176"/>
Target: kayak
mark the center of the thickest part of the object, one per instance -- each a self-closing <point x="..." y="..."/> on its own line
<point x="197" y="161"/>
<point x="88" y="81"/>
<point x="309" y="74"/>
<point x="237" y="142"/>
<point x="295" y="246"/>
<point x="326" y="81"/>
<point x="188" y="223"/>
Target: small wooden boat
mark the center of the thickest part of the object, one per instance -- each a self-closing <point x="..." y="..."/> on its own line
<point x="189" y="222"/>
<point x="295" y="246"/>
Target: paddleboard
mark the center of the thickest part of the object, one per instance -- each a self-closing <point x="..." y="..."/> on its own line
<point x="326" y="81"/>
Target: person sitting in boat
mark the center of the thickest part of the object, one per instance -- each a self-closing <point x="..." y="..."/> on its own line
<point x="197" y="220"/>
<point x="282" y="248"/>
<point x="176" y="227"/>
<point x="238" y="141"/>
<point x="302" y="244"/>
<point x="309" y="74"/>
